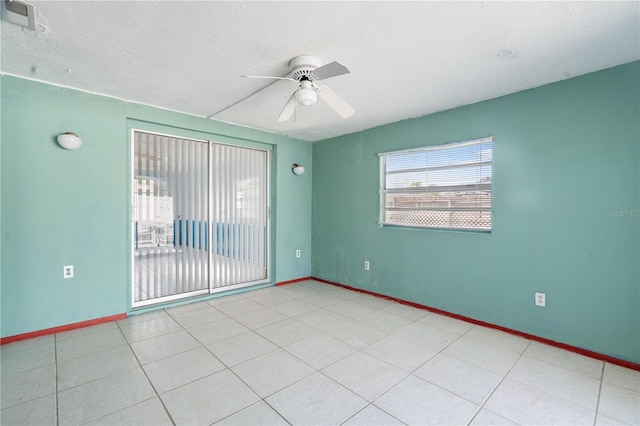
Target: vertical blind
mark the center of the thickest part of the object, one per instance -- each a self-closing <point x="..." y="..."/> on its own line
<point x="170" y="176"/>
<point x="445" y="186"/>
<point x="239" y="215"/>
<point x="199" y="217"/>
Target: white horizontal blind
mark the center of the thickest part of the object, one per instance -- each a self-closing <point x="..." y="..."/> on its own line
<point x="445" y="186"/>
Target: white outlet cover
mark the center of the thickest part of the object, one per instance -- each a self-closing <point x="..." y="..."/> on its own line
<point x="540" y="299"/>
<point x="67" y="271"/>
<point x="366" y="265"/>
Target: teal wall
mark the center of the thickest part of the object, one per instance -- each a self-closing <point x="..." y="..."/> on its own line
<point x="72" y="207"/>
<point x="564" y="155"/>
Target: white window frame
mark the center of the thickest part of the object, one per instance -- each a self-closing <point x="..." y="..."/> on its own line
<point x="430" y="207"/>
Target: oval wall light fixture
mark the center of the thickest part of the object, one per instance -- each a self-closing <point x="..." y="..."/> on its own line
<point x="297" y="169"/>
<point x="69" y="140"/>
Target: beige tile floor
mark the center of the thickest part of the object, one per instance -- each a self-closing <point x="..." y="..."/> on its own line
<point x="306" y="353"/>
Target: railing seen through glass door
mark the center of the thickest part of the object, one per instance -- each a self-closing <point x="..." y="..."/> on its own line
<point x="199" y="217"/>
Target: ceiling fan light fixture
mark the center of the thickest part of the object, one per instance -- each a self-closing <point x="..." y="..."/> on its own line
<point x="307" y="71"/>
<point x="306" y="96"/>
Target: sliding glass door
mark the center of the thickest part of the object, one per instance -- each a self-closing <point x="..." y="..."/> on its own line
<point x="199" y="217"/>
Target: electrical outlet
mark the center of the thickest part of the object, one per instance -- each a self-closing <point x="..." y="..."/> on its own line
<point x="366" y="265"/>
<point x="67" y="271"/>
<point x="298" y="253"/>
<point x="540" y="299"/>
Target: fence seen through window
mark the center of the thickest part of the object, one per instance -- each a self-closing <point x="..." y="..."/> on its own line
<point x="444" y="186"/>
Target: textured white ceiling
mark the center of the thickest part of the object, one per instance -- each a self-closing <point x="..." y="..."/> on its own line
<point x="407" y="59"/>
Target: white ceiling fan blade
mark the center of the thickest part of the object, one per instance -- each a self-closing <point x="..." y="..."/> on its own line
<point x="288" y="108"/>
<point x="241" y="100"/>
<point x="269" y="77"/>
<point x="336" y="102"/>
<point x="332" y="69"/>
<point x="275" y="80"/>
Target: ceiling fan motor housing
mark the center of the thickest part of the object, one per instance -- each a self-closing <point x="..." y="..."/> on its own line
<point x="302" y="66"/>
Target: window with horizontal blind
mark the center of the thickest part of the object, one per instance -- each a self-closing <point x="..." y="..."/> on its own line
<point x="442" y="187"/>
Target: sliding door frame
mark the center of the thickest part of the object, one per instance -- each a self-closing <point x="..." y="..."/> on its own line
<point x="210" y="290"/>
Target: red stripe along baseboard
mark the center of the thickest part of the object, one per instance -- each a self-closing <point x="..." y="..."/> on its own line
<point x="560" y="345"/>
<point x="60" y="329"/>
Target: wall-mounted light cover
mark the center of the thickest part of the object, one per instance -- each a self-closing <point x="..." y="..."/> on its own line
<point x="69" y="140"/>
<point x="297" y="169"/>
<point x="19" y="13"/>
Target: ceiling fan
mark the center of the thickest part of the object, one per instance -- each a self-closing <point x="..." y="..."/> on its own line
<point x="307" y="71"/>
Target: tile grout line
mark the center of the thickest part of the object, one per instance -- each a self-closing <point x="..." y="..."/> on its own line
<point x="523" y="355"/>
<point x="226" y="367"/>
<point x="441" y="352"/>
<point x="371" y="404"/>
<point x="276" y="411"/>
<point x="261" y="399"/>
<point x="361" y="350"/>
<point x="595" y="416"/>
<point x="315" y="370"/>
<point x="148" y="379"/>
<point x="98" y="378"/>
<point x="407" y="374"/>
<point x="438" y="386"/>
<point x="488" y="397"/>
<point x="531" y="386"/>
<point x="253" y="330"/>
